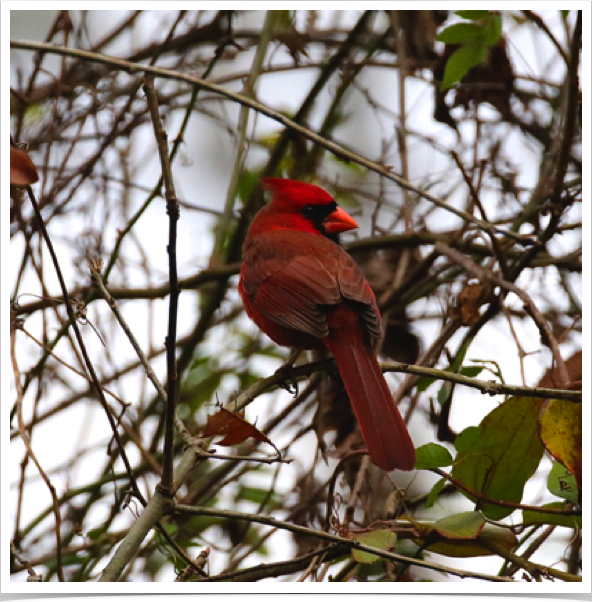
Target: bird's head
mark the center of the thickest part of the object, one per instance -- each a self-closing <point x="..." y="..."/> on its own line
<point x="302" y="206"/>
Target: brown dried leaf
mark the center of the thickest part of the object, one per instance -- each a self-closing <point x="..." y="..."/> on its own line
<point x="469" y="301"/>
<point x="233" y="428"/>
<point x="295" y="43"/>
<point x="573" y="364"/>
<point x="22" y="170"/>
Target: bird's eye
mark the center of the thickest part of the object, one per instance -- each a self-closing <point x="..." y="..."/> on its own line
<point x="308" y="211"/>
<point x="318" y="213"/>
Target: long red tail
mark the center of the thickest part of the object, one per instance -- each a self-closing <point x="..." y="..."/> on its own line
<point x="384" y="431"/>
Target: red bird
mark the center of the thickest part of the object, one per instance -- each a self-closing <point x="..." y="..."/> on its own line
<point x="303" y="290"/>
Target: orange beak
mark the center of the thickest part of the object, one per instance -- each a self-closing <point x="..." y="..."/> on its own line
<point x="339" y="221"/>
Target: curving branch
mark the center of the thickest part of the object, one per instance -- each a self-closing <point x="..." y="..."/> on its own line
<point x="337" y="149"/>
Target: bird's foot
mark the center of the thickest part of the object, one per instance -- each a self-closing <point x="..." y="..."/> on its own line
<point x="289" y="382"/>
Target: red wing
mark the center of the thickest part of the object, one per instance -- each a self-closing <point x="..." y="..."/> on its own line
<point x="297" y="291"/>
<point x="294" y="293"/>
<point x="355" y="287"/>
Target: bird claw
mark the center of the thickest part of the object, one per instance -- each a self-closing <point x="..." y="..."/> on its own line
<point x="285" y="372"/>
<point x="291" y="386"/>
<point x="288" y="382"/>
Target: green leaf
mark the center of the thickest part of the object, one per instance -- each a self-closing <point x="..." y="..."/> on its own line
<point x="479" y="534"/>
<point x="499" y="535"/>
<point x="562" y="483"/>
<point x="471" y="371"/>
<point x="194" y="527"/>
<point x="466" y="525"/>
<point x="497" y="372"/>
<point x="472" y="15"/>
<point x="459" y="358"/>
<point x="202" y="381"/>
<point x="431" y="456"/>
<point x="461" y="61"/>
<point x="459" y="33"/>
<point x="467" y="439"/>
<point x="444" y="392"/>
<point x="499" y="458"/>
<point x="434" y="493"/>
<point x="383" y="539"/>
<point x="248" y="180"/>
<point x="492" y="30"/>
<point x="95" y="534"/>
<point x="349" y="165"/>
<point x="253" y="494"/>
<point x="369" y="572"/>
<point x="533" y="517"/>
<point x="424" y="383"/>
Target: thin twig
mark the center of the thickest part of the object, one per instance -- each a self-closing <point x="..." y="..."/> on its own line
<point x="157" y="188"/>
<point x="569" y="111"/>
<point x="31" y="454"/>
<point x="502" y="503"/>
<point x="33" y="576"/>
<point x="237" y="458"/>
<point x="80" y="341"/>
<point x="276" y="569"/>
<point x="538" y="21"/>
<point x="223" y="226"/>
<point x="529" y="305"/>
<point x="512" y="569"/>
<point x="538" y="571"/>
<point x="70" y="367"/>
<point x="171" y="340"/>
<point x="475" y="196"/>
<point x="100" y="284"/>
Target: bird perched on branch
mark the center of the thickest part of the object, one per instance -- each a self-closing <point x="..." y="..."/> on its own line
<point x="303" y="290"/>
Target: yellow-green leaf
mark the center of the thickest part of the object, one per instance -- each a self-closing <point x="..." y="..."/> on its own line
<point x="383" y="539"/>
<point x="560" y="430"/>
<point x="466" y="548"/>
<point x="466" y="525"/>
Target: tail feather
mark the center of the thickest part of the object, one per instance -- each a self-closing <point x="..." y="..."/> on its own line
<point x="383" y="428"/>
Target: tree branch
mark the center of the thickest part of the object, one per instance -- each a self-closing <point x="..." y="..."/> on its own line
<point x="157" y="507"/>
<point x="322" y="535"/>
<point x="488" y="276"/>
<point x="172" y="208"/>
<point x="338" y="150"/>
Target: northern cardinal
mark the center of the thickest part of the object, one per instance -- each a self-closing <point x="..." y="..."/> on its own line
<point x="304" y="291"/>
